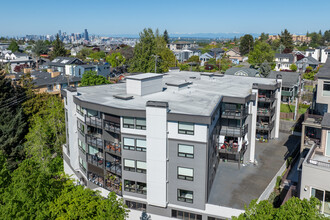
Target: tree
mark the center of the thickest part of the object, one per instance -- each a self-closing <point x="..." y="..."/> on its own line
<point x="75" y="202"/>
<point x="97" y="55"/>
<point x="90" y="78"/>
<point x="264" y="37"/>
<point x="116" y="59"/>
<point x="194" y="59"/>
<point x="286" y="39"/>
<point x="262" y="53"/>
<point x="211" y="61"/>
<point x="294" y="208"/>
<point x="265" y="69"/>
<point x="293" y="67"/>
<point x="39" y="48"/>
<point x="225" y="63"/>
<point x="246" y="44"/>
<point x="151" y="51"/>
<point x="13" y="46"/>
<point x="58" y="48"/>
<point x="166" y="37"/>
<point x="83" y="53"/>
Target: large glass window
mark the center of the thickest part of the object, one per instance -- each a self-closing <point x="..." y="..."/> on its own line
<point x="141" y="167"/>
<point x="185" y="196"/>
<point x="185" y="173"/>
<point x="141" y="123"/>
<point x="129" y="165"/>
<point x="91" y="113"/>
<point x="141" y="145"/>
<point x="186" y="151"/>
<point x="136" y="205"/>
<point x="129" y="143"/>
<point x="92" y="150"/>
<point x="79" y="109"/>
<point x="129" y="185"/>
<point x="128" y="122"/>
<point x="186" y="128"/>
<point x="326" y="88"/>
<point x="185" y="215"/>
<point x="324" y="197"/>
<point x="141" y="188"/>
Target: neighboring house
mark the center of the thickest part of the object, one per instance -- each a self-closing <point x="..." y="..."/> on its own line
<point x="184" y="55"/>
<point x="50" y="82"/>
<point x="290" y="84"/>
<point x="182" y="45"/>
<point x="14" y="59"/>
<point x="102" y="69"/>
<point x="306" y="62"/>
<point x="283" y="61"/>
<point x="243" y="72"/>
<point x="58" y="64"/>
<point x="315" y="144"/>
<point x="216" y="53"/>
<point x="235" y="56"/>
<point x="320" y="54"/>
<point x="158" y="149"/>
<point x="76" y="50"/>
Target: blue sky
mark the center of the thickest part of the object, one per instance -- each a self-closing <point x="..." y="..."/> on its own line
<point x="107" y="17"/>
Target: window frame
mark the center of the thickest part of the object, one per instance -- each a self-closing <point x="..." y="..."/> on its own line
<point x="184" y="199"/>
<point x="130" y="189"/>
<point x="186" y="155"/>
<point x="184" y="131"/>
<point x="130" y="126"/>
<point x="139" y="170"/>
<point x="140" y="127"/>
<point x="184" y="177"/>
<point x="129" y="147"/>
<point x="131" y="169"/>
<point x="139" y="148"/>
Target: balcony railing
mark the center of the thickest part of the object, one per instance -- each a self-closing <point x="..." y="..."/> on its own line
<point x="113" y="167"/>
<point x="94" y="141"/>
<point x="95" y="160"/>
<point x="113" y="148"/>
<point x="234" y="131"/>
<point x="98" y="180"/>
<point x="266" y="98"/>
<point x="231" y="113"/>
<point x="287" y="93"/>
<point x="112" y="127"/>
<point x="265" y="126"/>
<point x="266" y="111"/>
<point x="313" y="119"/>
<point x="230" y="151"/>
<point x="113" y="184"/>
<point x="93" y="121"/>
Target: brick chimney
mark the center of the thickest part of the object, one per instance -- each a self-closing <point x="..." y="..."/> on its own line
<point x="54" y="74"/>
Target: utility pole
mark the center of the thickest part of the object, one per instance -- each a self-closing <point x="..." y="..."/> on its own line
<point x="156" y="57"/>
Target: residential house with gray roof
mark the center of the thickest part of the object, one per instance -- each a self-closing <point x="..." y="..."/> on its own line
<point x="283" y="61"/>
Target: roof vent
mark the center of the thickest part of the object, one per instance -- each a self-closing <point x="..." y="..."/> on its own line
<point x="176" y="86"/>
<point x="144" y="84"/>
<point x="123" y="96"/>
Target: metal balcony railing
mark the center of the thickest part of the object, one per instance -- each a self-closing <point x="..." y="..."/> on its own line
<point x="94" y="141"/>
<point x="234" y="131"/>
<point x="111" y="126"/>
<point x="93" y="121"/>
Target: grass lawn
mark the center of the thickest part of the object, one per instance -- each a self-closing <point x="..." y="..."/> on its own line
<point x="291" y="108"/>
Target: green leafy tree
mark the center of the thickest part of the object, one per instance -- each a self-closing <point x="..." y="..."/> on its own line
<point x="293" y="67"/>
<point x="212" y="61"/>
<point x="97" y="55"/>
<point x="58" y="48"/>
<point x="294" y="208"/>
<point x="149" y="47"/>
<point x="286" y="39"/>
<point x="262" y="53"/>
<point x="264" y="37"/>
<point x="39" y="48"/>
<point x="166" y="37"/>
<point x="76" y="202"/>
<point x="84" y="53"/>
<point x="225" y="63"/>
<point x="194" y="59"/>
<point x="116" y="59"/>
<point x="90" y="78"/>
<point x="246" y="45"/>
<point x="4" y="174"/>
<point x="13" y="46"/>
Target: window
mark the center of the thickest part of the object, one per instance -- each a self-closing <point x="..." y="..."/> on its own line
<point x="91" y="113"/>
<point x="141" y="188"/>
<point x="128" y="122"/>
<point x="324" y="197"/>
<point x="81" y="146"/>
<point x="81" y="128"/>
<point x="185" y="196"/>
<point x="129" y="165"/>
<point x="82" y="164"/>
<point x="141" y="123"/>
<point x="129" y="143"/>
<point x="129" y="186"/>
<point x="185" y="215"/>
<point x="141" y="167"/>
<point x="326" y="88"/>
<point x="185" y="173"/>
<point x="79" y="109"/>
<point x="141" y="145"/>
<point x="136" y="205"/>
<point x="186" y="151"/>
<point x="186" y="128"/>
<point x="92" y="150"/>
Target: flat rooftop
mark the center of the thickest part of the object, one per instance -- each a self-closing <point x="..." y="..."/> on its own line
<point x="233" y="187"/>
<point x="200" y="97"/>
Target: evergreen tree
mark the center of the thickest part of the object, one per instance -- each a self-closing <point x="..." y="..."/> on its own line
<point x="39" y="48"/>
<point x="166" y="37"/>
<point x="58" y="48"/>
<point x="286" y="39"/>
<point x="246" y="44"/>
<point x="13" y="46"/>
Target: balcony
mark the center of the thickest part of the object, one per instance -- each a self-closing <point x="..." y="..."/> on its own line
<point x="287" y="93"/>
<point x="266" y="111"/>
<point x="265" y="126"/>
<point x="95" y="160"/>
<point x="112" y="126"/>
<point x="113" y="167"/>
<point x="94" y="141"/>
<point x="266" y="98"/>
<point x="234" y="131"/>
<point x="112" y="148"/>
<point x="315" y="157"/>
<point x="98" y="180"/>
<point x="113" y="184"/>
<point x="229" y="151"/>
<point x="235" y="113"/>
<point x="93" y="121"/>
<point x="312" y="120"/>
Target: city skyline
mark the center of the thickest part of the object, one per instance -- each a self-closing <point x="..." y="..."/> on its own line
<point x="177" y="17"/>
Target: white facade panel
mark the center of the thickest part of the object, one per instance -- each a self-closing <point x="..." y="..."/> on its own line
<point x="200" y="132"/>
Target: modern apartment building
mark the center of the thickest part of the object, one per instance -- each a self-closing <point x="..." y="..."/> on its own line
<point x="156" y="139"/>
<point x="315" y="173"/>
